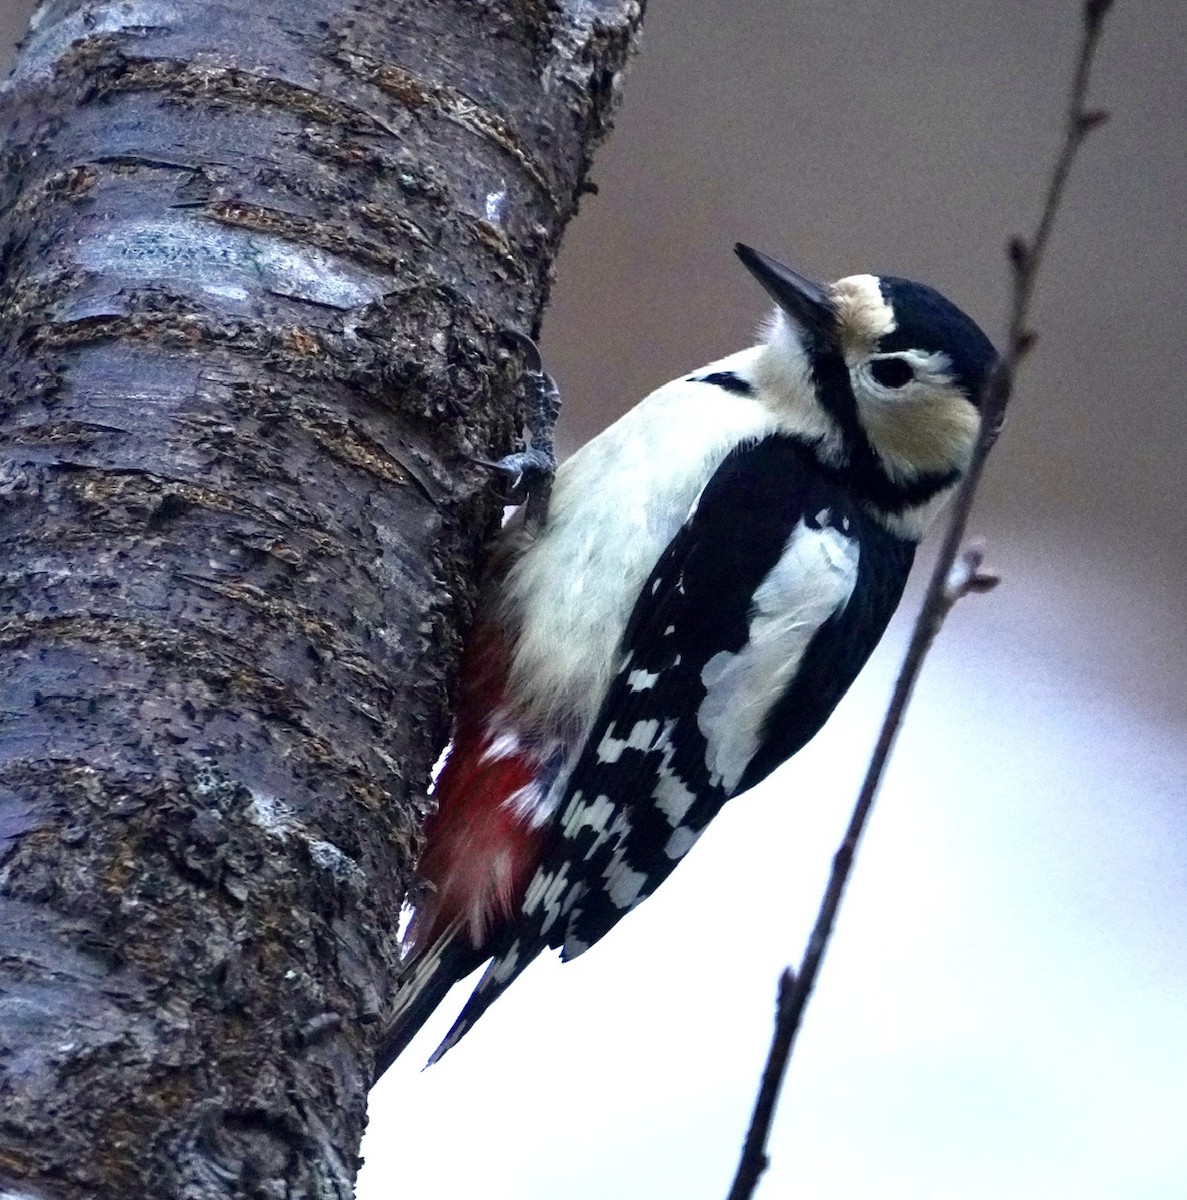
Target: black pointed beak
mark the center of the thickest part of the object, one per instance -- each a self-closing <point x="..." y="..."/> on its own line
<point x="805" y="302"/>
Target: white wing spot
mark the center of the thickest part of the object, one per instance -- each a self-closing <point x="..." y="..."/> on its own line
<point x="581" y="815"/>
<point x="535" y="890"/>
<point x="643" y="734"/>
<point x="642" y="737"/>
<point x="681" y="842"/>
<point x="672" y="795"/>
<point x="546" y="891"/>
<point x="640" y="680"/>
<point x="623" y="884"/>
<point x="610" y="748"/>
<point x="573" y="947"/>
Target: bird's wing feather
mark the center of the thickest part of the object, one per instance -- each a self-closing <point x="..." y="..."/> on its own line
<point x="766" y="562"/>
<point x="766" y="578"/>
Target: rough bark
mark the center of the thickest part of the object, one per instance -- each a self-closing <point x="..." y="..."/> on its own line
<point x="258" y="262"/>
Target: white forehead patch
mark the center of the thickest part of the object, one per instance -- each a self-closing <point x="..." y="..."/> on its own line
<point x="862" y="311"/>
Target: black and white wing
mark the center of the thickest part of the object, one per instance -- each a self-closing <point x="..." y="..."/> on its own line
<point x="753" y="624"/>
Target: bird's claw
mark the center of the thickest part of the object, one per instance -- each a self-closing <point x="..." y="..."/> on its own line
<point x="528" y="473"/>
<point x="532" y="362"/>
<point x="522" y="472"/>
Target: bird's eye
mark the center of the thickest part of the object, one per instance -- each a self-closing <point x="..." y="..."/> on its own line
<point x="892" y="372"/>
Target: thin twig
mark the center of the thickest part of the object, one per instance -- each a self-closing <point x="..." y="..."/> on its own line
<point x="954" y="575"/>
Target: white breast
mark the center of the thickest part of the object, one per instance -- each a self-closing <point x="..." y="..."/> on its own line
<point x="813" y="579"/>
<point x="616" y="505"/>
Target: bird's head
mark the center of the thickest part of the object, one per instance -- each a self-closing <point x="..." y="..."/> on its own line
<point x="883" y="376"/>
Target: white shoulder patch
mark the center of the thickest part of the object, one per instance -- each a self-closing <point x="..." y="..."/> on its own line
<point x="813" y="579"/>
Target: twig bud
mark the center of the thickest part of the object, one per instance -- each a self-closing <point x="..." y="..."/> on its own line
<point x="1089" y="119"/>
<point x="966" y="575"/>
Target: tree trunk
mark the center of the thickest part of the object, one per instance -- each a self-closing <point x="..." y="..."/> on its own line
<point x="259" y="262"/>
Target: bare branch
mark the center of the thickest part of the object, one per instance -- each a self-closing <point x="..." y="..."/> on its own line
<point x="956" y="573"/>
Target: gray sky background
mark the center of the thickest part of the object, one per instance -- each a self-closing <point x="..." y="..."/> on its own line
<point x="1003" y="1014"/>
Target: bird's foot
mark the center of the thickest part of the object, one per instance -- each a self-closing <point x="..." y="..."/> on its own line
<point x="527" y="474"/>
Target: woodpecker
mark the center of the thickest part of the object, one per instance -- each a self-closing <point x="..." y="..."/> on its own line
<point x="714" y="570"/>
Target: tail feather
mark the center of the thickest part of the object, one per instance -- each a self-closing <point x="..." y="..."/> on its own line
<point x="499" y="976"/>
<point x="482" y="846"/>
<point x="424" y="985"/>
